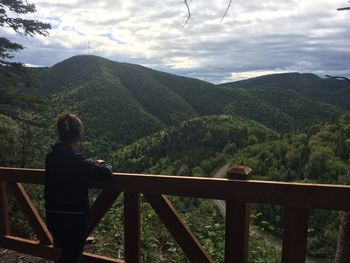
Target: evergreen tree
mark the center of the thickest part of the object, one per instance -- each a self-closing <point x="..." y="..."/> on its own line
<point x="14" y="77"/>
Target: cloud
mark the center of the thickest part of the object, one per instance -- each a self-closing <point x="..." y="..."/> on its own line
<point x="255" y="37"/>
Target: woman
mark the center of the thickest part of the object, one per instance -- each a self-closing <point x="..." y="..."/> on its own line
<point x="67" y="178"/>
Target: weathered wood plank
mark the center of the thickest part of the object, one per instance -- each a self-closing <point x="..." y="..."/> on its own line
<point x="250" y="191"/>
<point x="92" y="258"/>
<point x="4" y="219"/>
<point x="31" y="213"/>
<point x="29" y="247"/>
<point x="34" y="248"/>
<point x="22" y="175"/>
<point x="132" y="227"/>
<point x="295" y="235"/>
<point x="178" y="228"/>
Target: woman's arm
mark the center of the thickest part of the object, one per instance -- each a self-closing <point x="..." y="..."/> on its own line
<point x="99" y="172"/>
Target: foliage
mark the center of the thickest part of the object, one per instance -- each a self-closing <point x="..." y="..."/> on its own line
<point x="159" y="246"/>
<point x="193" y="146"/>
<point x="317" y="154"/>
<point x="14" y="77"/>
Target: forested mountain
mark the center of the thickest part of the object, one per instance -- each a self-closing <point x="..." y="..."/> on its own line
<point x="295" y="93"/>
<point x="124" y="102"/>
<point x="117" y="102"/>
<point x="295" y="102"/>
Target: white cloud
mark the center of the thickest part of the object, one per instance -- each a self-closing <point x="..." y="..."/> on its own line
<point x="255" y="37"/>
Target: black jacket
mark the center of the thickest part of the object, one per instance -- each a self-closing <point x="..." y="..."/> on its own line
<point x="67" y="179"/>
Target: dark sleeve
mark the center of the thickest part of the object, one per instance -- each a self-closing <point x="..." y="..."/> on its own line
<point x="98" y="174"/>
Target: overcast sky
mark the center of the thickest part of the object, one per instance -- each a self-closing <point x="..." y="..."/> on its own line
<point x="256" y="37"/>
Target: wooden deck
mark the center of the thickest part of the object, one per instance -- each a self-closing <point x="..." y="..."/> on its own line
<point x="296" y="198"/>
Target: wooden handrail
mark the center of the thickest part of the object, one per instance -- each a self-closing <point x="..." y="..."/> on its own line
<point x="322" y="196"/>
<point x="297" y="198"/>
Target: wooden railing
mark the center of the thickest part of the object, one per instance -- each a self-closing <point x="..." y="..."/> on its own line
<point x="297" y="199"/>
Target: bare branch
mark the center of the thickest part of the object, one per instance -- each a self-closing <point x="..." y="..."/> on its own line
<point x="228" y="7"/>
<point x="343" y="8"/>
<point x="188" y="12"/>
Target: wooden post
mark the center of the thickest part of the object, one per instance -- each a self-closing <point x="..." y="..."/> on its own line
<point x="4" y="220"/>
<point x="132" y="227"/>
<point x="295" y="235"/>
<point x="237" y="221"/>
<point x="342" y="254"/>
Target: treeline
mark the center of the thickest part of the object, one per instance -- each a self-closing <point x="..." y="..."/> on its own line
<point x="194" y="147"/>
<point x="317" y="154"/>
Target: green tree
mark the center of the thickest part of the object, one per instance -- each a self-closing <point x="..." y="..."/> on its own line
<point x="14" y="77"/>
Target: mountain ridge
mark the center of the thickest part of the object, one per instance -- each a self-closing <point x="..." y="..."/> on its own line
<point x="129" y="101"/>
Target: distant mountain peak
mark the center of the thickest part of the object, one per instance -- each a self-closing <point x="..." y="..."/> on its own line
<point x="273" y="78"/>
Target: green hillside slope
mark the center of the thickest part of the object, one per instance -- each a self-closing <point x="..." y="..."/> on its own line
<point x="195" y="145"/>
<point x="124" y="102"/>
<point x="286" y="101"/>
<point x="117" y="102"/>
<point x="301" y="91"/>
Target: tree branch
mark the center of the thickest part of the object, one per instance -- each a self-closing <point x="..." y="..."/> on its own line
<point x="228" y="7"/>
<point x="343" y="8"/>
<point x="188" y="12"/>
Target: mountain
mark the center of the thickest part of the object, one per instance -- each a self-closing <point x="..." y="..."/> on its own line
<point x="295" y="92"/>
<point x="281" y="101"/>
<point x="120" y="102"/>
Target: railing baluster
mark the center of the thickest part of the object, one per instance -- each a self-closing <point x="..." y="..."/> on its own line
<point x="295" y="235"/>
<point x="237" y="222"/>
<point x="32" y="215"/>
<point x="4" y="220"/>
<point x="178" y="229"/>
<point x="99" y="208"/>
<point x="132" y="227"/>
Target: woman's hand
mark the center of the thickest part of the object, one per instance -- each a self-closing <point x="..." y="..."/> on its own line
<point x="100" y="162"/>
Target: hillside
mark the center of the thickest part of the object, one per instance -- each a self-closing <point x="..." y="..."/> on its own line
<point x="287" y="101"/>
<point x="196" y="146"/>
<point x="117" y="102"/>
<point x="306" y="91"/>
<point x="121" y="102"/>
